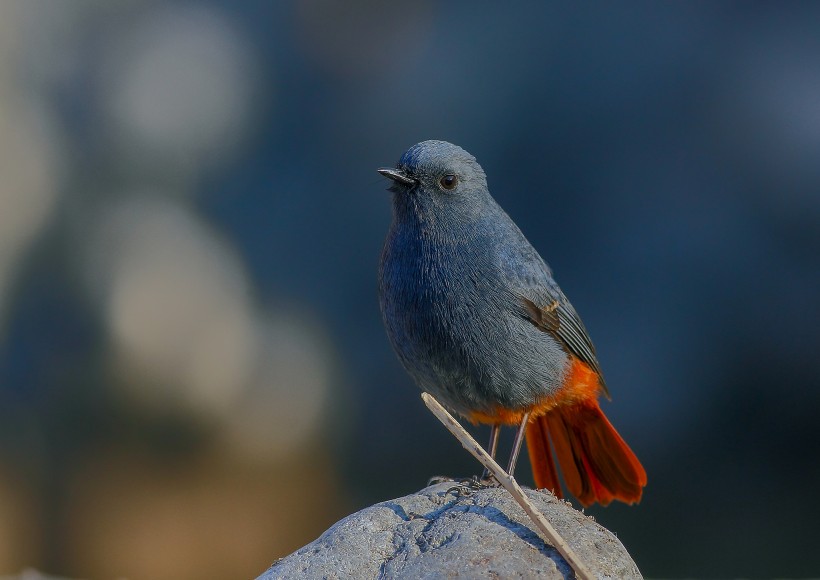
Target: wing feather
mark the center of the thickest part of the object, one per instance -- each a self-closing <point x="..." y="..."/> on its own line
<point x="559" y="319"/>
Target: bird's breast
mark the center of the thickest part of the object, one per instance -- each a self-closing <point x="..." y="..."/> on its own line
<point x="455" y="324"/>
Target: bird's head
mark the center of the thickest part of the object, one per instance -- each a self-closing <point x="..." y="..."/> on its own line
<point x="437" y="175"/>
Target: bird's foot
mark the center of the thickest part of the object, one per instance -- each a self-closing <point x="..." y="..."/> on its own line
<point x="465" y="486"/>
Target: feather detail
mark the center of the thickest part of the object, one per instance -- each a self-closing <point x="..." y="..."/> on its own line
<point x="597" y="464"/>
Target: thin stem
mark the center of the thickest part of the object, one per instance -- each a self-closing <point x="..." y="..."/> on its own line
<point x="509" y="483"/>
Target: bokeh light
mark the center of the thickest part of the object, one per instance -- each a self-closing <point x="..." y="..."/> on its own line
<point x="177" y="304"/>
<point x="177" y="86"/>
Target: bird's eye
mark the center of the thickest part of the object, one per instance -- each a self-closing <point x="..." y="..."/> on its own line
<point x="449" y="181"/>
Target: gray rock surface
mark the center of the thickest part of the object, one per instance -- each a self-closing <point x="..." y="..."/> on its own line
<point x="436" y="533"/>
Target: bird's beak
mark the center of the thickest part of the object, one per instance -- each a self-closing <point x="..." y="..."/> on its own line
<point x="397" y="175"/>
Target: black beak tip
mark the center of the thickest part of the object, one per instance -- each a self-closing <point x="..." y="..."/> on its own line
<point x="397" y="175"/>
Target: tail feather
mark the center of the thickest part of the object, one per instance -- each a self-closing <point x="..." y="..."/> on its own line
<point x="538" y="447"/>
<point x="597" y="464"/>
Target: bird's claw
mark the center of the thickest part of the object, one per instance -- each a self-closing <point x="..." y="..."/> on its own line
<point x="466" y="486"/>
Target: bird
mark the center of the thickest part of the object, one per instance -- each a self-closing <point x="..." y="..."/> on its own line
<point x="477" y="320"/>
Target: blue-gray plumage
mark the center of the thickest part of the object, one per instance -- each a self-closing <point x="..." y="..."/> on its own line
<point x="456" y="278"/>
<point x="472" y="310"/>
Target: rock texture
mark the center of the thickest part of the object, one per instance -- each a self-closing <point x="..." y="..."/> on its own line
<point x="438" y="533"/>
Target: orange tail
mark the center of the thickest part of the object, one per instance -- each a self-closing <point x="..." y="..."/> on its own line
<point x="596" y="462"/>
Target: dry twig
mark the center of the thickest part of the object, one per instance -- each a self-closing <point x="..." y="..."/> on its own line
<point x="509" y="483"/>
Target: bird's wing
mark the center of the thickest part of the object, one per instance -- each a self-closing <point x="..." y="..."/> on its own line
<point x="558" y="318"/>
<point x="540" y="301"/>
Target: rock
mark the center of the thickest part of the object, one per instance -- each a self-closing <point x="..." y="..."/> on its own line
<point x="436" y="533"/>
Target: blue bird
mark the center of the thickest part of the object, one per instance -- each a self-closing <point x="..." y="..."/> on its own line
<point x="476" y="318"/>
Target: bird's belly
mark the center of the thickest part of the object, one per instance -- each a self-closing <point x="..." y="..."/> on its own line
<point x="474" y="358"/>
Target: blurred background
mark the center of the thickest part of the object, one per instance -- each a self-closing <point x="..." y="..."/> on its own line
<point x="194" y="378"/>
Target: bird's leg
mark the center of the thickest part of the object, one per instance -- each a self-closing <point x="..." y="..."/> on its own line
<point x="495" y="431"/>
<point x="519" y="439"/>
<point x="466" y="486"/>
